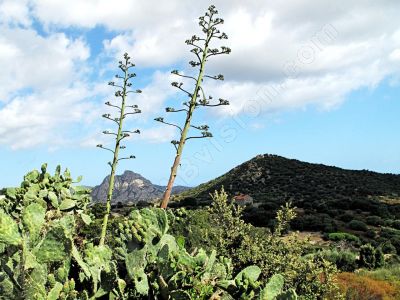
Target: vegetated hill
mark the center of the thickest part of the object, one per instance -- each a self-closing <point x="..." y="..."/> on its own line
<point x="327" y="197"/>
<point x="130" y="188"/>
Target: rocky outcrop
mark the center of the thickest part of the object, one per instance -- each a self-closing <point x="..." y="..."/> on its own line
<point x="131" y="187"/>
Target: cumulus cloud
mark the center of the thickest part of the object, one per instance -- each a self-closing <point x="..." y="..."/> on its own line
<point x="155" y="93"/>
<point x="284" y="55"/>
<point x="31" y="61"/>
<point x="15" y="12"/>
<point x="159" y="134"/>
<point x="45" y="117"/>
<point x="315" y="53"/>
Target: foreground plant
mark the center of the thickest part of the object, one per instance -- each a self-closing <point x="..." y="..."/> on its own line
<point x="158" y="267"/>
<point x="221" y="228"/>
<point x="42" y="252"/>
<point x="37" y="231"/>
<point x="202" y="49"/>
<point x="123" y="89"/>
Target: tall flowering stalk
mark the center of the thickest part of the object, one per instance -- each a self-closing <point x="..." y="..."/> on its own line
<point x="196" y="97"/>
<point x="123" y="110"/>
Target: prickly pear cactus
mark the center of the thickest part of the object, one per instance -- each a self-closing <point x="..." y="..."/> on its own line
<point x="37" y="229"/>
<point x="157" y="265"/>
<point x="274" y="290"/>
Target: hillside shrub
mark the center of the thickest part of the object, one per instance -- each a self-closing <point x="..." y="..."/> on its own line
<point x="370" y="234"/>
<point x="374" y="221"/>
<point x="347" y="217"/>
<point x="315" y="222"/>
<point x="395" y="241"/>
<point x="343" y="236"/>
<point x="371" y="257"/>
<point x="345" y="261"/>
<point x="389" y="273"/>
<point x="357" y="225"/>
<point x="388" y="248"/>
<point x="396" y="224"/>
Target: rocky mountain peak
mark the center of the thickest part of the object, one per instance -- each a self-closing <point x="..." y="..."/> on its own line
<point x="130" y="187"/>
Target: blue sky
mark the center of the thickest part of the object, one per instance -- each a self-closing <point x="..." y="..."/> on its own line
<point x="319" y="83"/>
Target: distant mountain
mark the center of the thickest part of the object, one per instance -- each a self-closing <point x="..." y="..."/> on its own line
<point x="131" y="187"/>
<point x="323" y="192"/>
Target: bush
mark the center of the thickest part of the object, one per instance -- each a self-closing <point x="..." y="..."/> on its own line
<point x="371" y="257"/>
<point x="344" y="260"/>
<point x="374" y="221"/>
<point x="396" y="224"/>
<point x="367" y="256"/>
<point x="346" y="217"/>
<point x="343" y="236"/>
<point x="395" y="241"/>
<point x="248" y="245"/>
<point x="388" y="248"/>
<point x="357" y="225"/>
<point x="379" y="258"/>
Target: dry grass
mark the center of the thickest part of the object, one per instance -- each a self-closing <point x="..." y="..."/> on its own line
<point x="362" y="287"/>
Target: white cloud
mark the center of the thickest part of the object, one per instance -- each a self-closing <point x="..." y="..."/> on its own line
<point x="149" y="47"/>
<point x="15" y="12"/>
<point x="159" y="134"/>
<point x="151" y="100"/>
<point x="314" y="52"/>
<point x="30" y="61"/>
<point x="395" y="55"/>
<point x="118" y="15"/>
<point x="46" y="117"/>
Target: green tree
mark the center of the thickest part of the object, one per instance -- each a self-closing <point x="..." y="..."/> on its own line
<point x="202" y="49"/>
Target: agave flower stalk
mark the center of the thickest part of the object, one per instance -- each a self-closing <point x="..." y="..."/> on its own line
<point x="123" y="110"/>
<point x="197" y="98"/>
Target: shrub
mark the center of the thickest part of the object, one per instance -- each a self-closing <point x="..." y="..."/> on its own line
<point x="357" y="225"/>
<point x="370" y="233"/>
<point x="367" y="256"/>
<point x="343" y="236"/>
<point x="379" y="258"/>
<point x="247" y="245"/>
<point x="371" y="257"/>
<point x="346" y="217"/>
<point x="396" y="243"/>
<point x="396" y="224"/>
<point x="374" y="221"/>
<point x="344" y="260"/>
<point x="388" y="248"/>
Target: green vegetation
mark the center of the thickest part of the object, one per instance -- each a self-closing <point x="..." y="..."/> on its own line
<point x="245" y="244"/>
<point x="342" y="236"/>
<point x="344" y="260"/>
<point x="46" y="255"/>
<point x="357" y="225"/>
<point x="329" y="199"/>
